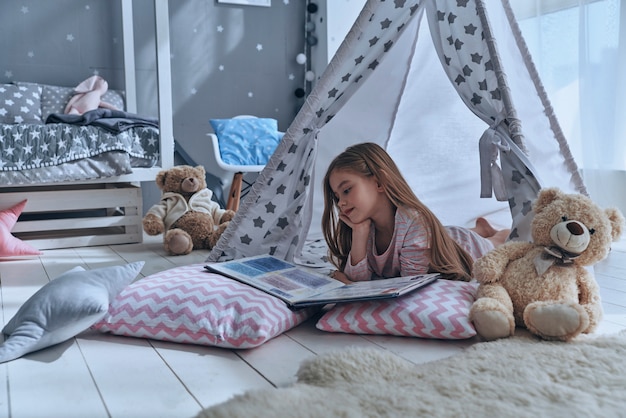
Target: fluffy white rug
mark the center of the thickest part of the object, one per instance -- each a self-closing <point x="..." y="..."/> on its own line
<point x="514" y="377"/>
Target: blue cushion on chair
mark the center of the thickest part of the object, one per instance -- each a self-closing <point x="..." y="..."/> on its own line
<point x="246" y="141"/>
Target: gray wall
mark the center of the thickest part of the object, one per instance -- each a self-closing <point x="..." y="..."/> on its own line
<point x="226" y="59"/>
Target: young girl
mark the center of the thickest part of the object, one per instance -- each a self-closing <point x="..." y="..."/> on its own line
<point x="376" y="227"/>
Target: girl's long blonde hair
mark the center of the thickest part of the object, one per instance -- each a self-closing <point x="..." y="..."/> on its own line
<point x="370" y="159"/>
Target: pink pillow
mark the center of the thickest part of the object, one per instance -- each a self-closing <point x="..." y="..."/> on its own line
<point x="440" y="310"/>
<point x="10" y="245"/>
<point x="189" y="305"/>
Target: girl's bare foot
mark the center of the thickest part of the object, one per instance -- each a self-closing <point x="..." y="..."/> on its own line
<point x="484" y="228"/>
<point x="499" y="237"/>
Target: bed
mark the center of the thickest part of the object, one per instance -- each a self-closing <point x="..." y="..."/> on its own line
<point x="82" y="180"/>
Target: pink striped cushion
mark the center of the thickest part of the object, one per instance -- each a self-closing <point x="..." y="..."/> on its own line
<point x="440" y="310"/>
<point x="188" y="305"/>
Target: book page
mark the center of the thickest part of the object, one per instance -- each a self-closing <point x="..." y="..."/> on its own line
<point x="372" y="289"/>
<point x="300" y="286"/>
<point x="278" y="277"/>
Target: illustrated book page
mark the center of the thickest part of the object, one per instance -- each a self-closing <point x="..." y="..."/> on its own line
<point x="301" y="287"/>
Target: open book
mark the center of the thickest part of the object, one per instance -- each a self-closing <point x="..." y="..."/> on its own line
<point x="300" y="287"/>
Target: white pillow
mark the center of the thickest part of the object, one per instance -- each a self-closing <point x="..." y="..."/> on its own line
<point x="187" y="304"/>
<point x="64" y="307"/>
<point x="439" y="310"/>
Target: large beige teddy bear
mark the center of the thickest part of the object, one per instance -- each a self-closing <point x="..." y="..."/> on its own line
<point x="545" y="286"/>
<point x="186" y="213"/>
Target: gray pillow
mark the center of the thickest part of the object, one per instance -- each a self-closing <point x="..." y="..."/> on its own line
<point x="64" y="307"/>
<point x="54" y="99"/>
<point x="20" y="103"/>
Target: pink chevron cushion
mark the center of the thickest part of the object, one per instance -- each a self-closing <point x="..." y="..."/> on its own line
<point x="440" y="310"/>
<point x="189" y="305"/>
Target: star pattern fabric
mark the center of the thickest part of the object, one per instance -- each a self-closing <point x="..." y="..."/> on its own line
<point x="33" y="152"/>
<point x="460" y="39"/>
<point x="27" y="146"/>
<point x="9" y="244"/>
<point x="20" y="104"/>
<point x="275" y="216"/>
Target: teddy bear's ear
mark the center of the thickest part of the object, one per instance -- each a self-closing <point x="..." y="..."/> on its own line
<point x="545" y="197"/>
<point x="617" y="222"/>
<point x="160" y="179"/>
<point x="200" y="169"/>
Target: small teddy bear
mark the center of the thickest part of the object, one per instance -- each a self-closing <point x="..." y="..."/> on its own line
<point x="186" y="213"/>
<point x="545" y="286"/>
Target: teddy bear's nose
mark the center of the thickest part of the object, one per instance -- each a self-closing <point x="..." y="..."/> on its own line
<point x="575" y="228"/>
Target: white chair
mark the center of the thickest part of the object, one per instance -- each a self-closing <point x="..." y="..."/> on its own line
<point x="237" y="186"/>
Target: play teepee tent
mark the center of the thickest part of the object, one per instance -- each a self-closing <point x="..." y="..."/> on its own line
<point x="448" y="88"/>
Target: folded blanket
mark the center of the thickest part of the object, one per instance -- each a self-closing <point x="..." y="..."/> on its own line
<point x="114" y="121"/>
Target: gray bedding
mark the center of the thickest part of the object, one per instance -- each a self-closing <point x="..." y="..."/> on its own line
<point x="62" y="152"/>
<point x="114" y="121"/>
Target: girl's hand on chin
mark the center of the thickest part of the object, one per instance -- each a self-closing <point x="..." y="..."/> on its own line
<point x="365" y="225"/>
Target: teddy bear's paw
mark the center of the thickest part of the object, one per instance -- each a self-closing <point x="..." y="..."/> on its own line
<point x="491" y="319"/>
<point x="152" y="224"/>
<point x="212" y="240"/>
<point x="220" y="229"/>
<point x="178" y="242"/>
<point x="484" y="272"/>
<point x="556" y="320"/>
<point x="227" y="216"/>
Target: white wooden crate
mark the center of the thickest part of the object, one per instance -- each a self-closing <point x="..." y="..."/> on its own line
<point x="63" y="216"/>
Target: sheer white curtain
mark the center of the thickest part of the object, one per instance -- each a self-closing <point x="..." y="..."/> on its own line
<point x="579" y="48"/>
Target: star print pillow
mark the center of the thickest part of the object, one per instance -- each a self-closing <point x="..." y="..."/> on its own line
<point x="54" y="98"/>
<point x="10" y="245"/>
<point x="20" y="104"/>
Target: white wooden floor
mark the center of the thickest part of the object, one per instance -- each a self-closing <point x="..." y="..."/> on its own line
<point x="100" y="375"/>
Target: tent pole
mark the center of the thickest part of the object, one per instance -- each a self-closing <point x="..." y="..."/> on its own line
<point x="514" y="124"/>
